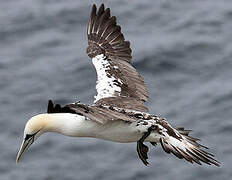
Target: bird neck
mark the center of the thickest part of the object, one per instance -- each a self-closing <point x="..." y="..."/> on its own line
<point x="66" y="123"/>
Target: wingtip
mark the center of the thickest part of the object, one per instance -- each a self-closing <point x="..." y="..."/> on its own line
<point x="107" y="12"/>
<point x="101" y="9"/>
<point x="50" y="101"/>
<point x="50" y="106"/>
<point x="94" y="10"/>
<point x="94" y="6"/>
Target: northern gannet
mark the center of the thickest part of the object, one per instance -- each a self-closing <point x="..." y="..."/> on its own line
<point x="118" y="113"/>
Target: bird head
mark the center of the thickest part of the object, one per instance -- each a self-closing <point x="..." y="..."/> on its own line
<point x="34" y="128"/>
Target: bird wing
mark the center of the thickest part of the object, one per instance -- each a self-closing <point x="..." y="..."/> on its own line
<point x="97" y="113"/>
<point x="111" y="56"/>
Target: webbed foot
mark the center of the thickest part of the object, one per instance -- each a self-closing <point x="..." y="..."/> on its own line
<point x="142" y="152"/>
<point x="143" y="149"/>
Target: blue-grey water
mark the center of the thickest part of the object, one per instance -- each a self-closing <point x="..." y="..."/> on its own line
<point x="182" y="48"/>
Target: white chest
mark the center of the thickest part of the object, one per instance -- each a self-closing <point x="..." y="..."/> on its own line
<point x="118" y="131"/>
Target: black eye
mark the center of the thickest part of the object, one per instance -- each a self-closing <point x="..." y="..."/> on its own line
<point x="28" y="136"/>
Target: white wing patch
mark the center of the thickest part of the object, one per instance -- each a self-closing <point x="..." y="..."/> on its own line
<point x="106" y="83"/>
<point x="111" y="55"/>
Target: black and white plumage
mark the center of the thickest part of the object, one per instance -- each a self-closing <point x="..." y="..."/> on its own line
<point x="111" y="56"/>
<point x="118" y="112"/>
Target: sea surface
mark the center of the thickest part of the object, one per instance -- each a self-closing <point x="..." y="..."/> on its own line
<point x="182" y="48"/>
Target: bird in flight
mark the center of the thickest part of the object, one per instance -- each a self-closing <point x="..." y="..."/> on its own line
<point x="118" y="112"/>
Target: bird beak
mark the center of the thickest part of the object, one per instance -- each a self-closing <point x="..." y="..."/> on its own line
<point x="24" y="147"/>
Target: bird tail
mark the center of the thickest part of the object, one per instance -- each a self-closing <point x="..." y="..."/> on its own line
<point x="178" y="142"/>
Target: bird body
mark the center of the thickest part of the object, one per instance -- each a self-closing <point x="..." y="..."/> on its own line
<point x="118" y="112"/>
<point x="75" y="125"/>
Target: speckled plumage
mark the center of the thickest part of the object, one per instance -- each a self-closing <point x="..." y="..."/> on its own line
<point x="118" y="112"/>
<point x="111" y="56"/>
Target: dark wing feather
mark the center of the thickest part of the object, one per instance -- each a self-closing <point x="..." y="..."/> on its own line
<point x="105" y="35"/>
<point x="99" y="114"/>
<point x="123" y="102"/>
<point x="111" y="56"/>
<point x="184" y="146"/>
